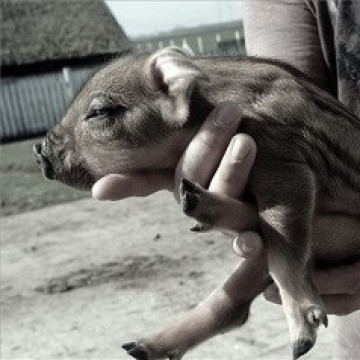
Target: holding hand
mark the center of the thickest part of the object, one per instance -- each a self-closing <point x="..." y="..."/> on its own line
<point x="203" y="162"/>
<point x="221" y="160"/>
<point x="339" y="287"/>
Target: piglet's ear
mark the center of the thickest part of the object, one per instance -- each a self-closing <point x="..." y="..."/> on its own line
<point x="172" y="72"/>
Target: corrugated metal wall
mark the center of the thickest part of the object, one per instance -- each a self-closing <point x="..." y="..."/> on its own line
<point x="31" y="105"/>
<point x="201" y="42"/>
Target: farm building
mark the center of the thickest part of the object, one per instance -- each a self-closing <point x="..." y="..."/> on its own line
<point x="49" y="48"/>
<point x="223" y="38"/>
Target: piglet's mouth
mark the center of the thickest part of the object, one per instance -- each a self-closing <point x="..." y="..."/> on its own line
<point x="45" y="165"/>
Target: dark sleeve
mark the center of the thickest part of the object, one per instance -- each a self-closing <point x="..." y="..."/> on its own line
<point x="287" y="30"/>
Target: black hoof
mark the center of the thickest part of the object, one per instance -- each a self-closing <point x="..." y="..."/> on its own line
<point x="189" y="195"/>
<point x="136" y="351"/>
<point x="174" y="355"/>
<point x="128" y="346"/>
<point x="301" y="347"/>
<point x="187" y="186"/>
<point x="199" y="227"/>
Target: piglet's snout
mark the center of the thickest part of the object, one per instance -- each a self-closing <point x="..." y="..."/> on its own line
<point x="43" y="160"/>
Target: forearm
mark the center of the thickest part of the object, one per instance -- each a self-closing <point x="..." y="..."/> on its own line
<point x="286" y="30"/>
<point x="337" y="236"/>
<point x="338" y="285"/>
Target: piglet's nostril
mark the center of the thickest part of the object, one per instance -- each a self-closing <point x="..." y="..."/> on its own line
<point x="43" y="161"/>
<point x="37" y="149"/>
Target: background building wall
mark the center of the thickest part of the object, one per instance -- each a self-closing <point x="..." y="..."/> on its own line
<point x="215" y="39"/>
<point x="33" y="104"/>
<point x="47" y="52"/>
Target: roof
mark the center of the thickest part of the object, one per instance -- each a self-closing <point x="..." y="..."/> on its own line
<point x="34" y="31"/>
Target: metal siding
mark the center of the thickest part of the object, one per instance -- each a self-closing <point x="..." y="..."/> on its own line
<point x="45" y="99"/>
<point x="4" y="113"/>
<point x="32" y="105"/>
<point x="42" y="111"/>
<point x="209" y="40"/>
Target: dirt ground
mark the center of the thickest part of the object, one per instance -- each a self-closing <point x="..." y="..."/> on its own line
<point x="22" y="187"/>
<point x="80" y="279"/>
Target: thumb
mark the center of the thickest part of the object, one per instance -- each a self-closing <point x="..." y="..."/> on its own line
<point x="121" y="186"/>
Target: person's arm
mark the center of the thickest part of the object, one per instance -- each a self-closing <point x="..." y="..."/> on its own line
<point x="339" y="286"/>
<point x="289" y="31"/>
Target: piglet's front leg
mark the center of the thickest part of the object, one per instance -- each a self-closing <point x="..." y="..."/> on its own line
<point x="214" y="211"/>
<point x="224" y="309"/>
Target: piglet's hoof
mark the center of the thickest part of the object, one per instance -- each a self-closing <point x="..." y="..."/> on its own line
<point x="139" y="352"/>
<point x="301" y="347"/>
<point x="190" y="196"/>
<point x="136" y="350"/>
<point x="199" y="227"/>
<point x="316" y="316"/>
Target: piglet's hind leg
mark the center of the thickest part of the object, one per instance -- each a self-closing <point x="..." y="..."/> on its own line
<point x="222" y="310"/>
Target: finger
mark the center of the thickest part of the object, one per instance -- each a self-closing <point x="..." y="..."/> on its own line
<point x="120" y="186"/>
<point x="338" y="280"/>
<point x="204" y="152"/>
<point x="342" y="304"/>
<point x="271" y="294"/>
<point x="248" y="245"/>
<point x="232" y="174"/>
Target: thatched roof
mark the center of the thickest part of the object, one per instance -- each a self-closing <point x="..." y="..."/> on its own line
<point x="34" y="31"/>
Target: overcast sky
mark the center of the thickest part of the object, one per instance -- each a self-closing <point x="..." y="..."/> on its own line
<point x="150" y="17"/>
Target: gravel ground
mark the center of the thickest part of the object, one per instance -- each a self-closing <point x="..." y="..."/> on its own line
<point x="79" y="279"/>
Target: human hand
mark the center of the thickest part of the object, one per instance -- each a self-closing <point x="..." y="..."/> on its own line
<point x="216" y="159"/>
<point x="199" y="162"/>
<point x="339" y="286"/>
<point x="121" y="186"/>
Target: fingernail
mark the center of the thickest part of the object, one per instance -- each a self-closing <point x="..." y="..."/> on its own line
<point x="239" y="150"/>
<point x="241" y="246"/>
<point x="245" y="248"/>
<point x="226" y="114"/>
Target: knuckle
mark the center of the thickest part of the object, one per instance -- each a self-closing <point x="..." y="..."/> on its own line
<point x="230" y="178"/>
<point x="211" y="141"/>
